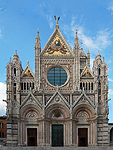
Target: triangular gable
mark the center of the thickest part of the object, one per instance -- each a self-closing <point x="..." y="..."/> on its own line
<point x="27" y="72"/>
<point x="57" y="98"/>
<point x="82" y="54"/>
<point x="86" y="73"/>
<point x="57" y="46"/>
<point x="80" y="100"/>
<point x="30" y="99"/>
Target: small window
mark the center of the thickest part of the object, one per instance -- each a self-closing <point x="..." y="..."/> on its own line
<point x="33" y="86"/>
<point x="81" y="86"/>
<point x="86" y="85"/>
<point x="2" y="134"/>
<point x="1" y="125"/>
<point x="24" y="86"/>
<point x="99" y="71"/>
<point x="91" y="86"/>
<point x="14" y="97"/>
<point x="15" y="71"/>
<point x="21" y="86"/>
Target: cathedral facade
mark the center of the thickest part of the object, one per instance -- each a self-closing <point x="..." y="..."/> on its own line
<point x="64" y="103"/>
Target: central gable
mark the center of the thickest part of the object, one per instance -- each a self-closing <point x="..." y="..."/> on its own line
<point x="57" y="46"/>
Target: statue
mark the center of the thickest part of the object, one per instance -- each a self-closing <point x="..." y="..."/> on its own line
<point x="57" y="20"/>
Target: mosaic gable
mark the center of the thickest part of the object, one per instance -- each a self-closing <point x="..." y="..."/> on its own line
<point x="57" y="48"/>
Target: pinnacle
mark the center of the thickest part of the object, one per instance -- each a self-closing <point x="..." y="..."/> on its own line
<point x="37" y="38"/>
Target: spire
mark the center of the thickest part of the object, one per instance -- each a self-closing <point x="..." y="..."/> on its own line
<point x="27" y="62"/>
<point x="37" y="38"/>
<point x="57" y="19"/>
<point x="16" y="57"/>
<point x="88" y="54"/>
<point x="76" y="44"/>
<point x="98" y="56"/>
<point x="76" y="33"/>
<point x="76" y="39"/>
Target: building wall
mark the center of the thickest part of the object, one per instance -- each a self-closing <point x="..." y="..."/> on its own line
<point x="80" y="103"/>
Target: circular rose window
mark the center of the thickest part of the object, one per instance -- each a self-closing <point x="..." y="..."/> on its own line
<point x="57" y="76"/>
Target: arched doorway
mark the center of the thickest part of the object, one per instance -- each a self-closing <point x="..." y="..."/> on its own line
<point x="111" y="136"/>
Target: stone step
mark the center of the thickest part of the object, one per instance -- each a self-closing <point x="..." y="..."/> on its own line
<point x="56" y="148"/>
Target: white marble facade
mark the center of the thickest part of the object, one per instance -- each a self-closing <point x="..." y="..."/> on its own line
<point x="41" y="109"/>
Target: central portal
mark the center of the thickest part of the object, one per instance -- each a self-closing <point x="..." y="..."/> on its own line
<point x="82" y="136"/>
<point x="32" y="136"/>
<point x="57" y="135"/>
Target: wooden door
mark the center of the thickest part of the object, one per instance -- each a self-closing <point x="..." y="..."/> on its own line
<point x="57" y="135"/>
<point x="83" y="137"/>
<point x="32" y="136"/>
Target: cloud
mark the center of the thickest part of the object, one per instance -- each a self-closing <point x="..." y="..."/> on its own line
<point x="111" y="80"/>
<point x="110" y="8"/>
<point x="2" y="10"/>
<point x="100" y="41"/>
<point x="91" y="63"/>
<point x="2" y="96"/>
<point x="49" y="18"/>
<point x="110" y="91"/>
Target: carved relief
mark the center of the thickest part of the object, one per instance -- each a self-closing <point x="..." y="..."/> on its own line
<point x="82" y="116"/>
<point x="31" y="114"/>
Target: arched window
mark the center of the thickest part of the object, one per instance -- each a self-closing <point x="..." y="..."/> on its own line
<point x="86" y="85"/>
<point x="92" y="86"/>
<point x="81" y="86"/>
<point x="99" y="71"/>
<point x="89" y="85"/>
<point x="1" y="125"/>
<point x="15" y="71"/>
<point x="111" y="135"/>
<point x="24" y="86"/>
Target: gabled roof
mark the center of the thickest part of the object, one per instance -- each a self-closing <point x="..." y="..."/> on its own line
<point x="57" y="45"/>
<point x="82" y="54"/>
<point x="57" y="98"/>
<point x="83" y="99"/>
<point x="30" y="99"/>
<point x="27" y="72"/>
<point x="86" y="73"/>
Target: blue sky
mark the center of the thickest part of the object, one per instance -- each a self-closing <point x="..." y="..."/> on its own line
<point x="19" y="20"/>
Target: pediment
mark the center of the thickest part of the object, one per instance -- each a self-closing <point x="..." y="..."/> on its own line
<point x="27" y="73"/>
<point x="57" y="46"/>
<point x="83" y="99"/>
<point x="31" y="99"/>
<point x="57" y="98"/>
<point x="86" y="73"/>
<point x="82" y="54"/>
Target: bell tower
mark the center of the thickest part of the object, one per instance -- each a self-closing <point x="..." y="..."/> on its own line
<point x="101" y="98"/>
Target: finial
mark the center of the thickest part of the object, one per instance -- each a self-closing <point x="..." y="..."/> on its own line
<point x="16" y="57"/>
<point x="76" y="32"/>
<point x="98" y="52"/>
<point x="37" y="38"/>
<point x="27" y="62"/>
<point x="57" y="19"/>
<point x="15" y="52"/>
<point x="88" y="50"/>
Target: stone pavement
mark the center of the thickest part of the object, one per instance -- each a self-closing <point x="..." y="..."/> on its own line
<point x="56" y="148"/>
